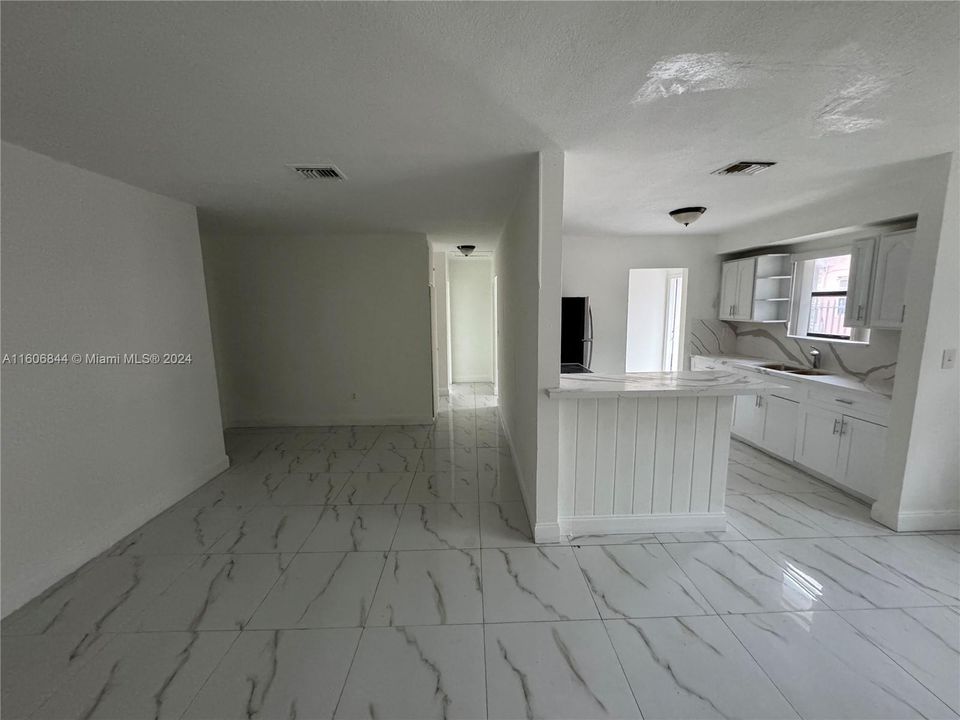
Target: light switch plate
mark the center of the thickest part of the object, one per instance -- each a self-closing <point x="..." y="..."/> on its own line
<point x="949" y="359"/>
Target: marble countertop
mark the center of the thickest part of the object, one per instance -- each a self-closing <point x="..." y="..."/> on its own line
<point x="687" y="383"/>
<point x="881" y="389"/>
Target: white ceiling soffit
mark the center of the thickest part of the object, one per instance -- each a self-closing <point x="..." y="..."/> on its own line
<point x="431" y="109"/>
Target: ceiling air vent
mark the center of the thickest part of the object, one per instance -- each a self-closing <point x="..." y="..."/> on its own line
<point x="744" y="167"/>
<point x="318" y="172"/>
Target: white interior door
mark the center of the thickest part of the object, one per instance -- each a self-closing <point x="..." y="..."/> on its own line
<point x="673" y="323"/>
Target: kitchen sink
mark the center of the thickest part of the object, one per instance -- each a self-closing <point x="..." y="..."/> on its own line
<point x="793" y="369"/>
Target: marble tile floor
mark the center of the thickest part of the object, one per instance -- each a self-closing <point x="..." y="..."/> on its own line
<point x="389" y="573"/>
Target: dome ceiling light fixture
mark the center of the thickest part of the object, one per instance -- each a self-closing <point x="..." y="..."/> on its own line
<point x="467" y="250"/>
<point x="687" y="215"/>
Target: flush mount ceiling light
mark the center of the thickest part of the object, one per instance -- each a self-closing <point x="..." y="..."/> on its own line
<point x="687" y="215"/>
<point x="467" y="250"/>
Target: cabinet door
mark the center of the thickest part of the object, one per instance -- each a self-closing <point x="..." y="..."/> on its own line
<point x="728" y="290"/>
<point x="861" y="455"/>
<point x="780" y="426"/>
<point x="858" y="288"/>
<point x="746" y="278"/>
<point x="818" y="440"/>
<point x="748" y="417"/>
<point x="887" y="307"/>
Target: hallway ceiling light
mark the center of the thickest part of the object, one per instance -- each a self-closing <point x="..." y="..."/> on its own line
<point x="467" y="250"/>
<point x="687" y="215"/>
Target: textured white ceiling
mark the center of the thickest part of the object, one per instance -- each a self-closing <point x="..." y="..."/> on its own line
<point x="430" y="108"/>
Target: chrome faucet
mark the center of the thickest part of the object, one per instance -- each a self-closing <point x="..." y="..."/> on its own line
<point x="815" y="354"/>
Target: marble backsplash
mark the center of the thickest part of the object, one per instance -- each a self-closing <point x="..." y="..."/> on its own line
<point x="875" y="363"/>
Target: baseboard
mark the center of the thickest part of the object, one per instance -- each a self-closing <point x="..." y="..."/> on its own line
<point x="303" y="422"/>
<point x="918" y="520"/>
<point x="542" y="532"/>
<point x="474" y="379"/>
<point x="664" y="522"/>
<point x="76" y="555"/>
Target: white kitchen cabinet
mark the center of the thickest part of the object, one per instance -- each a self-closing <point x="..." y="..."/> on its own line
<point x="746" y="277"/>
<point x="736" y="289"/>
<point x="860" y="460"/>
<point x="818" y="440"/>
<point x="748" y="411"/>
<point x="858" y="286"/>
<point x="756" y="288"/>
<point x="887" y="304"/>
<point x="780" y="426"/>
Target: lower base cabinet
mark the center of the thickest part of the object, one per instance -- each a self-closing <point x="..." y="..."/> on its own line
<point x="861" y="455"/>
<point x="780" y="426"/>
<point x="846" y="449"/>
<point x="818" y="441"/>
<point x="748" y="411"/>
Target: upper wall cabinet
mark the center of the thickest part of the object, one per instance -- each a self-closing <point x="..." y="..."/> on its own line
<point x="756" y="289"/>
<point x="887" y="303"/>
<point x="858" y="286"/>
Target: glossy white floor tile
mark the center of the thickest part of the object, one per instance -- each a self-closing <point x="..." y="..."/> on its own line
<point x="354" y="527"/>
<point x="438" y="526"/>
<point x="923" y="641"/>
<point x="632" y="581"/>
<point x="389" y="572"/>
<point x="278" y="674"/>
<point x="429" y="587"/>
<point x="139" y="675"/>
<point x="504" y="524"/>
<point x="219" y="592"/>
<point x="842" y="576"/>
<point x="269" y="530"/>
<point x="534" y="583"/>
<point x="321" y="590"/>
<point x="736" y="577"/>
<point x="827" y="669"/>
<point x="693" y="667"/>
<point x="416" y="672"/>
<point x="555" y="670"/>
<point x="375" y="488"/>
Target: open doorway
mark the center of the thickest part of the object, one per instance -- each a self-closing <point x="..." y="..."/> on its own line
<point x="471" y="318"/>
<point x="656" y="311"/>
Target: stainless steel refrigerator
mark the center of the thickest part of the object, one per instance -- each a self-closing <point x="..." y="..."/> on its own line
<point x="576" y="335"/>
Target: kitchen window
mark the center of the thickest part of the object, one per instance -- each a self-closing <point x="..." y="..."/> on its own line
<point x="820" y="283"/>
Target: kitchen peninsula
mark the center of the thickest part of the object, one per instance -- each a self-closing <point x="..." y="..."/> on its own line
<point x="646" y="452"/>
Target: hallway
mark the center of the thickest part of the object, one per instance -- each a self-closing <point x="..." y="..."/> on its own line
<point x="388" y="572"/>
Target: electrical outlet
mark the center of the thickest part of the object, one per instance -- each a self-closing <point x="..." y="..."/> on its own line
<point x="949" y="359"/>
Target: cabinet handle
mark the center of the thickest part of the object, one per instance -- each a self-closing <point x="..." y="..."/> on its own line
<point x="903" y="312"/>
<point x="835" y="424"/>
<point x="845" y="402"/>
<point x="859" y="312"/>
<point x="843" y="425"/>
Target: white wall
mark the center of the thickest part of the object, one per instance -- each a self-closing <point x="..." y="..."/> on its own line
<point x="599" y="267"/>
<point x="321" y="330"/>
<point x="922" y="487"/>
<point x="929" y="497"/>
<point x="441" y="339"/>
<point x="91" y="265"/>
<point x="646" y="305"/>
<point x="527" y="265"/>
<point x="471" y="318"/>
<point x="517" y="270"/>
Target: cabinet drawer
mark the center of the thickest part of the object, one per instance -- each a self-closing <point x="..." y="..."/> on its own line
<point x="851" y="403"/>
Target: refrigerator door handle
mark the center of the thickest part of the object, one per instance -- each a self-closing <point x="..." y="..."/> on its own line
<point x="588" y="341"/>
